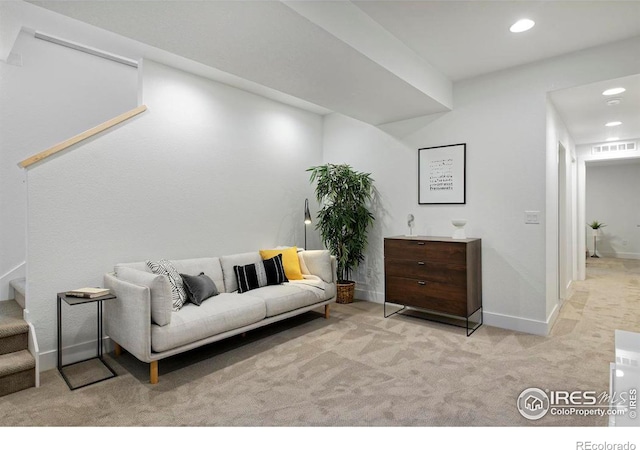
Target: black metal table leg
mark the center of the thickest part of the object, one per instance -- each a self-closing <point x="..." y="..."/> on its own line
<point x="100" y="355"/>
<point x="59" y="333"/>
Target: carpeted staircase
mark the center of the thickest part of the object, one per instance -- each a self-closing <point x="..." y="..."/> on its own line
<point x="17" y="365"/>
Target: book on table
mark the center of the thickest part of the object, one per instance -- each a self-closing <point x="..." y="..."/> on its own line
<point x="88" y="292"/>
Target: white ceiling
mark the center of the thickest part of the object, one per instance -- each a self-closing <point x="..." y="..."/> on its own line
<point x="464" y="39"/>
<point x="268" y="43"/>
<point x="584" y="110"/>
<point x="294" y="48"/>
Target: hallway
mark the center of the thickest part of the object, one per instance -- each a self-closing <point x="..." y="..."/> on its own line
<point x="608" y="300"/>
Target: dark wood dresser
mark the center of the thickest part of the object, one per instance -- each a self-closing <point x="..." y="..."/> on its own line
<point x="439" y="275"/>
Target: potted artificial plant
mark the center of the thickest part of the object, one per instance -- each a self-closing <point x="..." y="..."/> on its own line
<point x="596" y="226"/>
<point x="344" y="218"/>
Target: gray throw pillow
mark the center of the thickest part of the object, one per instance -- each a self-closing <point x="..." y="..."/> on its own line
<point x="199" y="287"/>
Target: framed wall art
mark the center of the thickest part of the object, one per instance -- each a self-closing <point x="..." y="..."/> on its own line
<point x="442" y="175"/>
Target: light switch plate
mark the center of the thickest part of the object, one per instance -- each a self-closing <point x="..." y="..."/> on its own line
<point x="532" y="217"/>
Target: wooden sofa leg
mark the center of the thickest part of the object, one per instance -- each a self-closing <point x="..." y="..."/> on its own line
<point x="326" y="311"/>
<point x="117" y="349"/>
<point x="153" y="372"/>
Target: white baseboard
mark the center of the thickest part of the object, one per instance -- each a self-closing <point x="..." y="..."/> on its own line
<point x="621" y="255"/>
<point x="514" y="323"/>
<point x="568" y="292"/>
<point x="49" y="360"/>
<point x="521" y="324"/>
<point x="33" y="347"/>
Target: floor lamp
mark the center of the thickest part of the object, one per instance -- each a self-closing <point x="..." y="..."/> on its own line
<point x="307" y="220"/>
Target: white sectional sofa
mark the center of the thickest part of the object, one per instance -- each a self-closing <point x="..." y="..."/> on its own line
<point x="143" y="322"/>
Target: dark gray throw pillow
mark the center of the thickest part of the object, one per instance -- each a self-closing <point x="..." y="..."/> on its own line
<point x="199" y="287"/>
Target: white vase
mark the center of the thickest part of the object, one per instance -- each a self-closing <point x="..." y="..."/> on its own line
<point x="459" y="233"/>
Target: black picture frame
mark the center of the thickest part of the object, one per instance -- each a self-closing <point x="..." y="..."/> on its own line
<point x="442" y="175"/>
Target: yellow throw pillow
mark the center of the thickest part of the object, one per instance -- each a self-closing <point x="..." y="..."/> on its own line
<point x="290" y="261"/>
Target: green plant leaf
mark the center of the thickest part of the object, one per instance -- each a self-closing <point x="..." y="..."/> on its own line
<point x="596" y="225"/>
<point x="345" y="196"/>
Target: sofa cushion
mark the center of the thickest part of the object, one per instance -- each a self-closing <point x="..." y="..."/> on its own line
<point x="199" y="287"/>
<point x="303" y="265"/>
<point x="318" y="262"/>
<point x="287" y="297"/>
<point x="210" y="266"/>
<point x="222" y="313"/>
<point x="160" y="290"/>
<point x="239" y="259"/>
<point x="289" y="259"/>
<point x="326" y="290"/>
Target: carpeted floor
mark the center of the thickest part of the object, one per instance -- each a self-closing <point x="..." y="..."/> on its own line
<point x="359" y="369"/>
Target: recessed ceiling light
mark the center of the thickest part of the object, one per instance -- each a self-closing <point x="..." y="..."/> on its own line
<point x="613" y="124"/>
<point x="612" y="139"/>
<point x="614" y="91"/>
<point x="522" y="25"/>
<point x="614" y="101"/>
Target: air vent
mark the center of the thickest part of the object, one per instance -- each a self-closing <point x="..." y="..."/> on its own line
<point x="614" y="147"/>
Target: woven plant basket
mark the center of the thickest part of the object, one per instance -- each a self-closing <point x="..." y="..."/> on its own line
<point x="345" y="292"/>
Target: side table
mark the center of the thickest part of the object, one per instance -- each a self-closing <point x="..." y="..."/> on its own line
<point x="72" y="301"/>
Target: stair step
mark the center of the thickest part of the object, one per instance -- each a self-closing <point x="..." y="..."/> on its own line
<point x="14" y="331"/>
<point x="16" y="362"/>
<point x="17" y="372"/>
<point x="19" y="285"/>
<point x="11" y="321"/>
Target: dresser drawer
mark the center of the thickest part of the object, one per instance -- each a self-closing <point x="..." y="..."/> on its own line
<point x="439" y="297"/>
<point x="450" y="252"/>
<point x="426" y="270"/>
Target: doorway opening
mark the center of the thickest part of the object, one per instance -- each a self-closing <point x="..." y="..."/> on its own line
<point x="564" y="232"/>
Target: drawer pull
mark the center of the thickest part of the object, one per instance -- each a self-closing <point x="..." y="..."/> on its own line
<point x="421" y="263"/>
<point x="422" y="283"/>
<point x="420" y="243"/>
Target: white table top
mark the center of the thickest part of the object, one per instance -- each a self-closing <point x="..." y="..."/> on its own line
<point x="626" y="377"/>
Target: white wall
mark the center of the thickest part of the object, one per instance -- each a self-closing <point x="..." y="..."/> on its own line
<point x="208" y="170"/>
<point x="612" y="194"/>
<point x="563" y="174"/>
<point x="512" y="167"/>
<point x="55" y="94"/>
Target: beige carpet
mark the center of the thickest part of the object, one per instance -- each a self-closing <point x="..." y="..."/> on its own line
<point x="359" y="369"/>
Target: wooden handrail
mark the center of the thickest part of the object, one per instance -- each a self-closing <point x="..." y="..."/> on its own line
<point x="82" y="136"/>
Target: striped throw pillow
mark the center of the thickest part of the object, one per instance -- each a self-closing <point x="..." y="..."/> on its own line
<point x="178" y="293"/>
<point x="275" y="270"/>
<point x="251" y="276"/>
